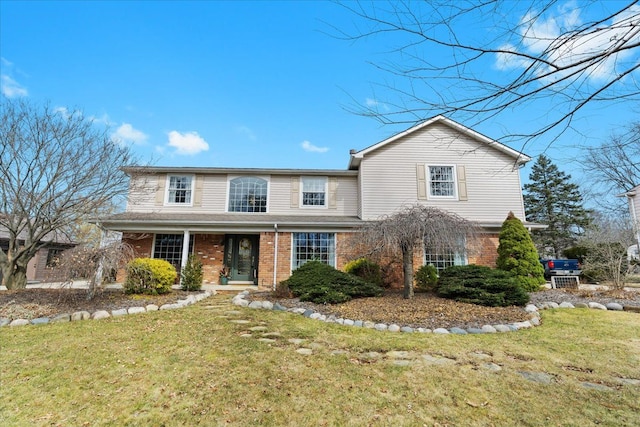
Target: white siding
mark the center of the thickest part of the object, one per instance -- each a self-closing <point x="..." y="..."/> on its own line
<point x="389" y="179"/>
<point x="144" y="191"/>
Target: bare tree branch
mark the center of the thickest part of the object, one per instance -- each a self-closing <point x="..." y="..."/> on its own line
<point x="569" y="55"/>
<point x="55" y="169"/>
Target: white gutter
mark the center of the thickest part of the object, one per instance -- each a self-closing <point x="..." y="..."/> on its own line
<point x="275" y="256"/>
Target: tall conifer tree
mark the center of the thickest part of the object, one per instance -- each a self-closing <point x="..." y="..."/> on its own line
<point x="552" y="199"/>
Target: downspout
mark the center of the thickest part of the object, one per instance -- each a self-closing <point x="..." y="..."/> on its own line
<point x="636" y="220"/>
<point x="275" y="255"/>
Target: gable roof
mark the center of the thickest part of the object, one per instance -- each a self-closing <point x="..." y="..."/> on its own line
<point x="520" y="158"/>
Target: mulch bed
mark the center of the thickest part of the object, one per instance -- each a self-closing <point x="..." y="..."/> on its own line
<point x="424" y="310"/>
<point x="40" y="302"/>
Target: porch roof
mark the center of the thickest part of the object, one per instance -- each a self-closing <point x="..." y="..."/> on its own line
<point x="212" y="223"/>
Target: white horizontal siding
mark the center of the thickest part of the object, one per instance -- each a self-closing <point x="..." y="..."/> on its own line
<point x="142" y="196"/>
<point x="280" y="198"/>
<point x="389" y="176"/>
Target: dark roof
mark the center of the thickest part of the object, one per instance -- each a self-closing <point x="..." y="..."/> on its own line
<point x="135" y="221"/>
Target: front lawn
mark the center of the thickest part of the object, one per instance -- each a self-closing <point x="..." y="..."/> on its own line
<point x="205" y="365"/>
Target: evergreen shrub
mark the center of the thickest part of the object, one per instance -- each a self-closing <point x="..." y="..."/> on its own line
<point x="366" y="269"/>
<point x="426" y="278"/>
<point x="322" y="284"/>
<point x="191" y="274"/>
<point x="518" y="255"/>
<point x="149" y="276"/>
<point x="481" y="285"/>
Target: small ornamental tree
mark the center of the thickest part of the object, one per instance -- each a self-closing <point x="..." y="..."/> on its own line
<point x="517" y="254"/>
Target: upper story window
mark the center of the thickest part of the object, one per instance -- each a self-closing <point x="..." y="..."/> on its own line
<point x="314" y="191"/>
<point x="179" y="189"/>
<point x="248" y="194"/>
<point x="442" y="182"/>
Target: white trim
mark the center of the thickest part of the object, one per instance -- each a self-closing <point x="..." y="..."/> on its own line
<point x="230" y="178"/>
<point x="326" y="193"/>
<point x="168" y="183"/>
<point x="428" y="179"/>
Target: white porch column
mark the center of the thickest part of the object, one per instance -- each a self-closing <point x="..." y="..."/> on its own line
<point x="185" y="249"/>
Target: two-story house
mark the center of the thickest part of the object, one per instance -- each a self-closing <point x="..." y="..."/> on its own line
<point x="262" y="224"/>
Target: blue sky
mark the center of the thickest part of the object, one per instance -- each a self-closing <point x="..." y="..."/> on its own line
<point x="228" y="84"/>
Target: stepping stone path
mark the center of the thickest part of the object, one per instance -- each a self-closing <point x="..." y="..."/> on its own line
<point x="407" y="359"/>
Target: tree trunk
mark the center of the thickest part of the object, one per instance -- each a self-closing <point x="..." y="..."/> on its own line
<point x="407" y="266"/>
<point x="14" y="276"/>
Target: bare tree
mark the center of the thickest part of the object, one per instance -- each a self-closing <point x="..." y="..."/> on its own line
<point x="438" y="52"/>
<point x="411" y="228"/>
<point x="56" y="168"/>
<point x="606" y="246"/>
<point x="614" y="166"/>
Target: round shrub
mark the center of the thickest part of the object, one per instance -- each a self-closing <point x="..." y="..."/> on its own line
<point x="426" y="278"/>
<point x="322" y="284"/>
<point x="365" y="269"/>
<point x="191" y="275"/>
<point x="149" y="276"/>
<point x="481" y="285"/>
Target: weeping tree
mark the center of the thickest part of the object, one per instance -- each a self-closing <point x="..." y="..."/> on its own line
<point x="56" y="168"/>
<point x="409" y="230"/>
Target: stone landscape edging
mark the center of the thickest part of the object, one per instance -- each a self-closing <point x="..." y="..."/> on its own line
<point x="103" y="314"/>
<point x="533" y="309"/>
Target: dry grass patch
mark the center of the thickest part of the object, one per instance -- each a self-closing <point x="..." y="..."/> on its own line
<point x="192" y="367"/>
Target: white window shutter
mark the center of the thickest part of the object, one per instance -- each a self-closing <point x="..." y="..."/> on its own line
<point x="295" y="191"/>
<point x="333" y="190"/>
<point x="462" y="183"/>
<point x="197" y="197"/>
<point x="162" y="179"/>
<point x="422" y="181"/>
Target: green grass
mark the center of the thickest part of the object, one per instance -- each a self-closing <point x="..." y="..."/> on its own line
<point x="192" y="367"/>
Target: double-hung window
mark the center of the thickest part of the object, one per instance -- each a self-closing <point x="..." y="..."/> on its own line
<point x="180" y="189"/>
<point x="169" y="248"/>
<point x="442" y="182"/>
<point x="313" y="246"/>
<point x="314" y="191"/>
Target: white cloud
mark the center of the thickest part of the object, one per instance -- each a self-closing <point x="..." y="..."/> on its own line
<point x="244" y="130"/>
<point x="307" y="146"/>
<point x="188" y="143"/>
<point x="375" y="104"/>
<point x="128" y="133"/>
<point x="539" y="35"/>
<point x="11" y="88"/>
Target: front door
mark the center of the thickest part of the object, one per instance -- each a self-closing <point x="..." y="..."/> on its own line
<point x="241" y="257"/>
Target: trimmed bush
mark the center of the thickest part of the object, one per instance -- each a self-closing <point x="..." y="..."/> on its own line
<point x="149" y="276"/>
<point x="365" y="269"/>
<point x="481" y="285"/>
<point x="518" y="255"/>
<point x="322" y="284"/>
<point x="191" y="274"/>
<point x="426" y="278"/>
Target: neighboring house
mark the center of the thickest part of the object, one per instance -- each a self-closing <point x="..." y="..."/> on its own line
<point x="264" y="223"/>
<point x="42" y="266"/>
<point x="633" y="198"/>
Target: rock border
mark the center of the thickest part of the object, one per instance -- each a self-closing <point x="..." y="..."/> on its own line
<point x="103" y="314"/>
<point x="241" y="299"/>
